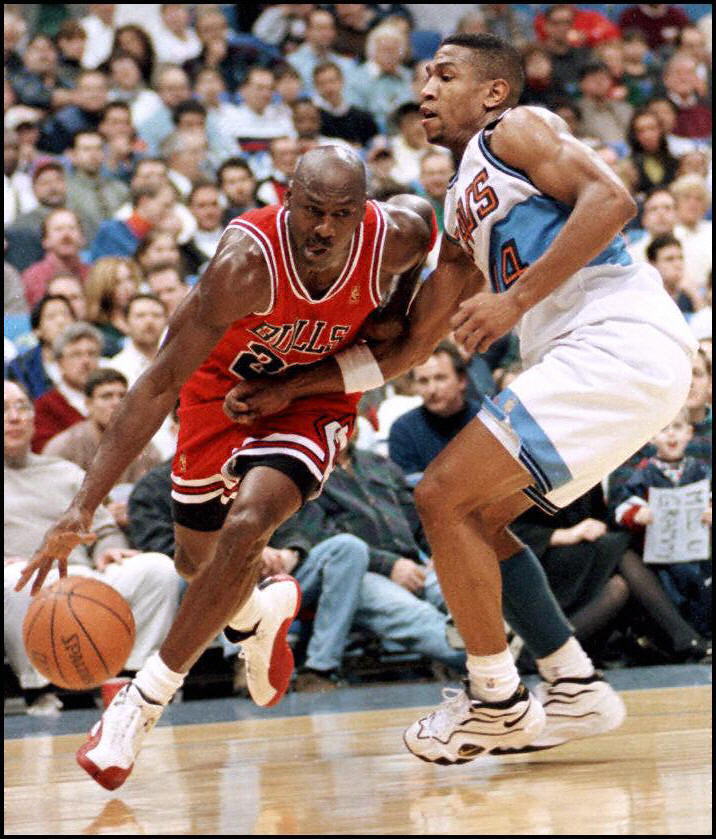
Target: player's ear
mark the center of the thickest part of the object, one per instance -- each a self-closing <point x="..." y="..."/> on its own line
<point x="498" y="94"/>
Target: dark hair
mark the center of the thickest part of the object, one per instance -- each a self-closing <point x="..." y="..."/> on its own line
<point x="666" y="240"/>
<point x="203" y="184"/>
<point x="326" y="65"/>
<point x="190" y="106"/>
<point x="500" y="60"/>
<point x="633" y="140"/>
<point x="234" y="163"/>
<point x="38" y="308"/>
<point x="592" y="67"/>
<point x="556" y="102"/>
<point x="284" y="70"/>
<point x="150" y="191"/>
<point x="166" y="266"/>
<point x="144" y="295"/>
<point x="113" y="106"/>
<point x="458" y="362"/>
<point x="403" y="111"/>
<point x="70" y="29"/>
<point x="103" y="376"/>
<point x="146" y="62"/>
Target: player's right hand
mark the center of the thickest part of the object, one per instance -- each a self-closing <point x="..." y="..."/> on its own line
<point x="248" y="402"/>
<point x="61" y="539"/>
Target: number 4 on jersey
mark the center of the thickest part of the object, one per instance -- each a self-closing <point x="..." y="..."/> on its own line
<point x="511" y="266"/>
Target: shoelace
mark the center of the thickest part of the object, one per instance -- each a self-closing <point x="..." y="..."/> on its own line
<point x="120" y="726"/>
<point x="455" y="703"/>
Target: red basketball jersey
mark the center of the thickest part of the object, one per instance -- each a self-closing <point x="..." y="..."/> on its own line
<point x="295" y="329"/>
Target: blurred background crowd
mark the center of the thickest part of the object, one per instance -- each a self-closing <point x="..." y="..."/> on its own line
<point x="134" y="133"/>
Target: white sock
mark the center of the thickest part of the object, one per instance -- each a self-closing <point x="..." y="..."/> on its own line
<point x="249" y="614"/>
<point x="492" y="677"/>
<point x="157" y="682"/>
<point x="569" y="660"/>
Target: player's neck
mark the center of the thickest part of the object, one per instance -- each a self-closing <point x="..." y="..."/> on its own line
<point x="460" y="143"/>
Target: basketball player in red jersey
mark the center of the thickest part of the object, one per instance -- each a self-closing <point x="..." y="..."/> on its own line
<point x="288" y="286"/>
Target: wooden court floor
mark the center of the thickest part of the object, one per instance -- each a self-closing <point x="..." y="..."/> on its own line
<point x="350" y="774"/>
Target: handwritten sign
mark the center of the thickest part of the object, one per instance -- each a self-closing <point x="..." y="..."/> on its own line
<point x="677" y="534"/>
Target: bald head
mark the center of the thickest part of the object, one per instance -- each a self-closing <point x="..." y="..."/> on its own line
<point x="333" y="170"/>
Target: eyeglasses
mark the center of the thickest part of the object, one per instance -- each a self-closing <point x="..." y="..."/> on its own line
<point x="22" y="408"/>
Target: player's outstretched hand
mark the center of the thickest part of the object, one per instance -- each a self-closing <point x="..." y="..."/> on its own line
<point x="482" y="319"/>
<point x="60" y="540"/>
<point x="247" y="402"/>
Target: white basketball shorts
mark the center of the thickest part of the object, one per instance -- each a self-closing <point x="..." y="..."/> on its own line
<point x="593" y="399"/>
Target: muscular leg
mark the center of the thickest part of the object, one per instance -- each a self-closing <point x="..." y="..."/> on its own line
<point x="465" y="544"/>
<point x="224" y="581"/>
<point x="194" y="548"/>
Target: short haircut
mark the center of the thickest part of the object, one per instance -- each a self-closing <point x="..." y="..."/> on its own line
<point x="143" y="296"/>
<point x="76" y="332"/>
<point x="285" y="71"/>
<point x="404" y="110"/>
<point x="203" y="184"/>
<point x="234" y="163"/>
<point x="113" y="106"/>
<point x="666" y="240"/>
<point x="166" y="266"/>
<point x="689" y="185"/>
<point x="53" y="213"/>
<point x="38" y="308"/>
<point x="103" y="376"/>
<point x="150" y="191"/>
<point x="70" y="29"/>
<point x="449" y="349"/>
<point x="84" y="133"/>
<point x="190" y="106"/>
<point x="326" y="65"/>
<point x="499" y="60"/>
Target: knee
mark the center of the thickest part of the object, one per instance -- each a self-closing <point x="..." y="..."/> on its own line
<point x="349" y="549"/>
<point x="618" y="588"/>
<point x="185" y="564"/>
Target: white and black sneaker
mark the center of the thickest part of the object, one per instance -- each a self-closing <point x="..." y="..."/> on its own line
<point x="575" y="708"/>
<point x="462" y="728"/>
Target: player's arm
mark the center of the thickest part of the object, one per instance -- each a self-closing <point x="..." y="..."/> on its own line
<point x="453" y="280"/>
<point x="234" y="284"/>
<point x="565" y="169"/>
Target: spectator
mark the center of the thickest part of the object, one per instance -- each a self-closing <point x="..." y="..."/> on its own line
<point x="90" y="100"/>
<point x="77" y="352"/>
<point x="659" y="22"/>
<point x="289" y="88"/>
<point x="24" y="237"/>
<point x="62" y="240"/>
<point x="650" y="153"/>
<point x="284" y="156"/>
<point x="94" y="198"/>
<point x="70" y="287"/>
<point x="150" y="205"/>
<point x="641" y="75"/>
<point x="667" y="256"/>
<point x="123" y="149"/>
<point x="14" y="30"/>
<point x="146" y="318"/>
<point x="698" y="405"/>
<point x="174" y="39"/>
<point x="283" y="25"/>
<point x="233" y="57"/>
<point x="581" y="558"/>
<point x="338" y="117"/>
<point x="36" y="369"/>
<point x="205" y="205"/>
<point x="420" y="434"/>
<point x="702" y="322"/>
<point x="380" y="162"/>
<point x="238" y="186"/>
<point x="692" y="41"/>
<point x="172" y="85"/>
<point x="436" y="169"/>
<point x="569" y="111"/>
<point x="148" y="581"/>
<point x="104" y="391"/>
<point x="409" y="145"/>
<point x="354" y="21"/>
<point x="692" y="229"/>
<point x="382" y="83"/>
<point x="168" y="284"/>
<point x="186" y="153"/>
<point x="13" y="292"/>
<point x="317" y="49"/>
<point x="111" y="284"/>
<point x="666" y="112"/>
<point x="99" y="27"/>
<point x="589" y="28"/>
<point x="658" y="217"/>
<point x="258" y="120"/>
<point x="541" y="87"/>
<point x="684" y="583"/>
<point x="71" y="40"/>
<point x="567" y="59"/>
<point x="220" y="115"/>
<point x="128" y="86"/>
<point x="134" y="40"/>
<point x="39" y="83"/>
<point x="159" y="248"/>
<point x="364" y="521"/>
<point x="26" y="121"/>
<point x="307" y="123"/>
<point x="602" y="117"/>
<point x="150" y="522"/>
<point x="693" y="116"/>
<point x="19" y="197"/>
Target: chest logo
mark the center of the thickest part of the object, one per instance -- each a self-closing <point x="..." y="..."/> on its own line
<point x="355" y="295"/>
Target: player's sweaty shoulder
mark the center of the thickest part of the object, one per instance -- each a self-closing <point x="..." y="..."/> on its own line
<point x="527" y="133"/>
<point x="237" y="280"/>
<point x="408" y="235"/>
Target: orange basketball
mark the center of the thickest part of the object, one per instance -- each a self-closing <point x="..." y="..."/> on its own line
<point x="78" y="632"/>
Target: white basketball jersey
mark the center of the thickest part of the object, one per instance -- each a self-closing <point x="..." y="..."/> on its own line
<point x="504" y="223"/>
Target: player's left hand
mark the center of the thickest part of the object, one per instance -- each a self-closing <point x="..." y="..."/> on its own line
<point x="482" y="319"/>
<point x="247" y="402"/>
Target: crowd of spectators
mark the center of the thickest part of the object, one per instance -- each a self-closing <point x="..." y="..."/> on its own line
<point x="134" y="133"/>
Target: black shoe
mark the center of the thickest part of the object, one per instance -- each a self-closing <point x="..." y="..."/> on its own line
<point x="309" y="680"/>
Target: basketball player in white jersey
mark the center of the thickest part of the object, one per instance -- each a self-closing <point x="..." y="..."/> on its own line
<point x="533" y="224"/>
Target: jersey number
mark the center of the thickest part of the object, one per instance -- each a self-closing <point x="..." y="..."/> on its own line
<point x="512" y="266"/>
<point x="257" y="363"/>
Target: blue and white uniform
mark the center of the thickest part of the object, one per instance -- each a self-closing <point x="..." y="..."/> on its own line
<point x="608" y="354"/>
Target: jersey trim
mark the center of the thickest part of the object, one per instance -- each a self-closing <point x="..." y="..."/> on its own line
<point x="482" y="142"/>
<point x="289" y="264"/>
<point x="264" y="244"/>
<point x="376" y="264"/>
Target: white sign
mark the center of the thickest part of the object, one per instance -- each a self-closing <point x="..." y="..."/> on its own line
<point x="677" y="534"/>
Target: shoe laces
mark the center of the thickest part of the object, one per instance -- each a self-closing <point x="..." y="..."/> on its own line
<point x="456" y="703"/>
<point x="122" y="722"/>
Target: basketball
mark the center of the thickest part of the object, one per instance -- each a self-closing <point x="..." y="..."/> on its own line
<point x="78" y="632"/>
